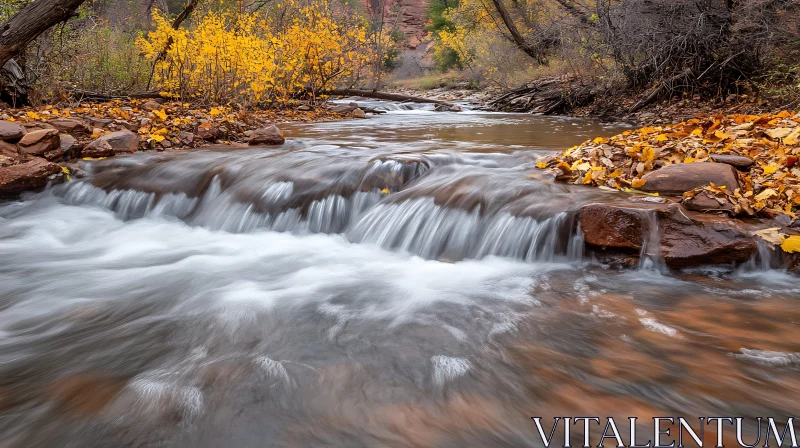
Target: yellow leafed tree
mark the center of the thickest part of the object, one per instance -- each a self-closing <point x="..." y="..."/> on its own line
<point x="234" y="56"/>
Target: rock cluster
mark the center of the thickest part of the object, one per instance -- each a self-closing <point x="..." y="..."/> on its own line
<point x="33" y="140"/>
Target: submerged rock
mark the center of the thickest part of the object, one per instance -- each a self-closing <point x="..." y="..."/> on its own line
<point x="441" y="107"/>
<point x="682" y="177"/>
<point x="268" y="135"/>
<point x="27" y="176"/>
<point x="358" y="113"/>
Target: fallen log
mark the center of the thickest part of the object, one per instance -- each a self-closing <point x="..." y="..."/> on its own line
<point x="381" y="96"/>
<point x="98" y="96"/>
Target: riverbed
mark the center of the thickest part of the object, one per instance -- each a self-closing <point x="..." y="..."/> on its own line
<point x="404" y="280"/>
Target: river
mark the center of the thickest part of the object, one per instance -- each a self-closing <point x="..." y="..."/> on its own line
<point x="404" y="280"/>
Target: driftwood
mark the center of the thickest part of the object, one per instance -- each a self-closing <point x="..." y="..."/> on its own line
<point x="549" y="96"/>
<point x="663" y="88"/>
<point x="381" y="96"/>
<point x="98" y="96"/>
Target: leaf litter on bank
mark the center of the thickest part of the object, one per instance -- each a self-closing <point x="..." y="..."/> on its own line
<point x="768" y="188"/>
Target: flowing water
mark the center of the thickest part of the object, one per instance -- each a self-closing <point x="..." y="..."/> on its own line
<point x="397" y="281"/>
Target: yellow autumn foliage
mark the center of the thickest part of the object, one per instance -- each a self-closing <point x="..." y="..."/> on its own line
<point x="233" y="56"/>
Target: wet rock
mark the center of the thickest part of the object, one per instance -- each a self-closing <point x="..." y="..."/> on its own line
<point x="207" y="132"/>
<point x="10" y="131"/>
<point x="685" y="238"/>
<point x="736" y="161"/>
<point x="186" y="138"/>
<point x="305" y="108"/>
<point x="27" y="176"/>
<point x="358" y="113"/>
<point x="268" y="135"/>
<point x="112" y="143"/>
<point x="38" y="143"/>
<point x="707" y="240"/>
<point x="72" y="126"/>
<point x="613" y="227"/>
<point x="703" y="202"/>
<point x="447" y="108"/>
<point x="343" y="109"/>
<point x="69" y="146"/>
<point x="682" y="177"/>
<point x="85" y="394"/>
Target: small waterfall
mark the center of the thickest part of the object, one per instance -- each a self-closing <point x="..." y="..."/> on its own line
<point x="650" y="257"/>
<point x="461" y="211"/>
<point x="421" y="227"/>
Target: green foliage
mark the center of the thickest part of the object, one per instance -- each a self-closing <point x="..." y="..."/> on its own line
<point x="10" y="7"/>
<point x="439" y="21"/>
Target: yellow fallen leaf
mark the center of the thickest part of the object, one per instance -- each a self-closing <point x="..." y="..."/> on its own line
<point x="541" y="165"/>
<point x="160" y="114"/>
<point x="689" y="160"/>
<point x="214" y="112"/>
<point x="648" y="154"/>
<point x="793" y="138"/>
<point x="638" y="183"/>
<point x="599" y="141"/>
<point x="587" y="179"/>
<point x="771" y="235"/>
<point x="770" y="169"/>
<point x="34" y="115"/>
<point x="662" y="138"/>
<point x="385" y="191"/>
<point x="721" y="135"/>
<point x="766" y="194"/>
<point x="778" y="133"/>
<point x="791" y="244"/>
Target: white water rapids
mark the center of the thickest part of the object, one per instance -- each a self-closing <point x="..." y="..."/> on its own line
<point x="396" y="281"/>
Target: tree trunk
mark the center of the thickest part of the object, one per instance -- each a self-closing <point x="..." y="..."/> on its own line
<point x="516" y="36"/>
<point x="30" y="22"/>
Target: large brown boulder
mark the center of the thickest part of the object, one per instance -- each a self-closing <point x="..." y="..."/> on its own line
<point x="685" y="238"/>
<point x="682" y="177"/>
<point x="703" y="240"/>
<point x="10" y="131"/>
<point x="112" y="143"/>
<point x="72" y="126"/>
<point x="268" y="135"/>
<point x="615" y="227"/>
<point x="39" y="143"/>
<point x="27" y="176"/>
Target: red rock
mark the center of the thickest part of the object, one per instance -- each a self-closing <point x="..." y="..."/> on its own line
<point x="40" y="142"/>
<point x="605" y="225"/>
<point x="703" y="202"/>
<point x="10" y="131"/>
<point x="685" y="238"/>
<point x="112" y="143"/>
<point x="72" y="126"/>
<point x="733" y="160"/>
<point x="268" y="135"/>
<point x="27" y="176"/>
<point x="682" y="177"/>
<point x="207" y="132"/>
<point x="704" y="240"/>
<point x="85" y="394"/>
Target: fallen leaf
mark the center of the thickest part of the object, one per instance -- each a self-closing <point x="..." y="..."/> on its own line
<point x="771" y="235"/>
<point x="791" y="244"/>
<point x="638" y="183"/>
